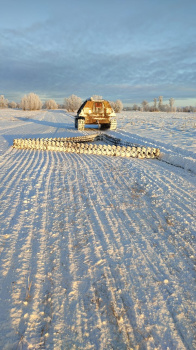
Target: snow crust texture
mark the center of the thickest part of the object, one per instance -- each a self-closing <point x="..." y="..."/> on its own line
<point x="97" y="252"/>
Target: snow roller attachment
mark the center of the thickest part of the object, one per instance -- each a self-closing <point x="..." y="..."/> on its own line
<point x="80" y="144"/>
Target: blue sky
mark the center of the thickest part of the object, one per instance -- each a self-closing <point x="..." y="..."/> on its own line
<point x="121" y="49"/>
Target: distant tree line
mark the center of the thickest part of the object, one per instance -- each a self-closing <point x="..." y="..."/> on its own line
<point x="158" y="106"/>
<point x="73" y="102"/>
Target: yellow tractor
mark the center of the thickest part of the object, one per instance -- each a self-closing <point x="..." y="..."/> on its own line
<point x="98" y="112"/>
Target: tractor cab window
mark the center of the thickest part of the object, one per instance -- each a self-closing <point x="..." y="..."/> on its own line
<point x="98" y="107"/>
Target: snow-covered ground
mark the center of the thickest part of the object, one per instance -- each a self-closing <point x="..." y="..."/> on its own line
<point x="98" y="252"/>
<point x="173" y="133"/>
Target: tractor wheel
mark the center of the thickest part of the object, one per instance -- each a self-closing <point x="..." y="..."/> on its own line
<point x="81" y="124"/>
<point x="113" y="124"/>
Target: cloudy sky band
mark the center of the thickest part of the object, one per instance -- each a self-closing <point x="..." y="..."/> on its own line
<point x="132" y="50"/>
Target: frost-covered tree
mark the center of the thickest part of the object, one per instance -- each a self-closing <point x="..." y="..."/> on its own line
<point x="72" y="103"/>
<point x="112" y="104"/>
<point x="145" y="105"/>
<point x="160" y="105"/>
<point x="135" y="107"/>
<point x="117" y="106"/>
<point x="24" y="103"/>
<point x="186" y="109"/>
<point x="171" y="104"/>
<point x="165" y="108"/>
<point x="13" y="104"/>
<point x="3" y="102"/>
<point x="31" y="102"/>
<point x="192" y="109"/>
<point x="155" y="104"/>
<point x="51" y="104"/>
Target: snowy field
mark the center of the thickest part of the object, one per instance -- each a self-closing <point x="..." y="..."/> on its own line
<point x="98" y="252"/>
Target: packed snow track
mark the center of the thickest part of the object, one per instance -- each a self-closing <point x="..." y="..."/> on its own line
<point x="96" y="252"/>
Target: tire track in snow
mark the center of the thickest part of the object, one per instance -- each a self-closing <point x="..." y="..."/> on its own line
<point x="36" y="319"/>
<point x="6" y="156"/>
<point x="105" y="249"/>
<point x="25" y="283"/>
<point x="95" y="217"/>
<point x="178" y="263"/>
<point x="17" y="254"/>
<point x="78" y="261"/>
<point x="14" y="177"/>
<point x="57" y="292"/>
<point x="12" y="166"/>
<point x="25" y="259"/>
<point x="98" y="274"/>
<point x="182" y="194"/>
<point x="12" y="127"/>
<point x="55" y="240"/>
<point x="108" y="250"/>
<point x="177" y="215"/>
<point x="156" y="188"/>
<point x="128" y="282"/>
<point x="12" y="210"/>
<point x="179" y="249"/>
<point x="76" y="283"/>
<point x="185" y="266"/>
<point x="144" y="224"/>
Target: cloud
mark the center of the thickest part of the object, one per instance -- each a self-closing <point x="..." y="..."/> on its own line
<point x="120" y="75"/>
<point x="123" y="52"/>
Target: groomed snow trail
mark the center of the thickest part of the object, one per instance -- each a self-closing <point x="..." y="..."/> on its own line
<point x="96" y="252"/>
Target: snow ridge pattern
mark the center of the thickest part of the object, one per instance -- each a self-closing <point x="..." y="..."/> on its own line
<point x="96" y="252"/>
